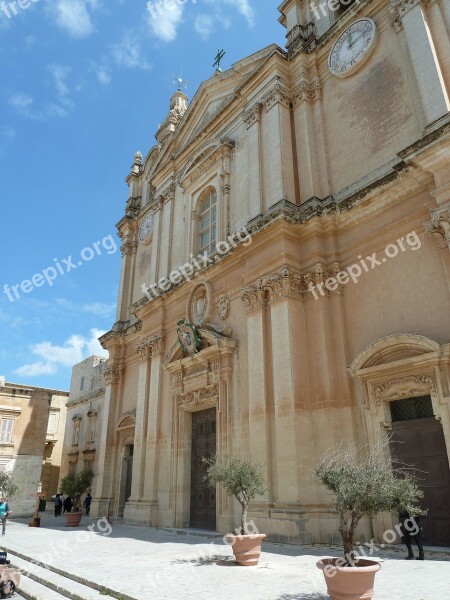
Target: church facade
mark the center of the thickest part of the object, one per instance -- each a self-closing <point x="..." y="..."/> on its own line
<point x="286" y="274"/>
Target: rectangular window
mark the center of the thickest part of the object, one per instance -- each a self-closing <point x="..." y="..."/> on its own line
<point x="76" y="435"/>
<point x="72" y="468"/>
<point x="92" y="432"/>
<point x="82" y="384"/>
<point x="6" y="430"/>
<point x="52" y="423"/>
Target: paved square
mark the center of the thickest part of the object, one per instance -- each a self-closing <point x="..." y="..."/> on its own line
<point x="144" y="563"/>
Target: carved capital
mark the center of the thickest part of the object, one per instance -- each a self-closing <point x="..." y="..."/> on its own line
<point x="253" y="296"/>
<point x="306" y="91"/>
<point x="129" y="247"/>
<point x="439" y="226"/>
<point x="399" y="8"/>
<point x="252" y="115"/>
<point x="114" y="374"/>
<point x="277" y="95"/>
<point x="152" y="346"/>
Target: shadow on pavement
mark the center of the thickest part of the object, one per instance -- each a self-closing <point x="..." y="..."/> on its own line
<point x="303" y="597"/>
<point x="222" y="561"/>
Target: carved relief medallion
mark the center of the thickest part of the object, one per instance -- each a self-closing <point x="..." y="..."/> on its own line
<point x="224" y="307"/>
<point x="199" y="304"/>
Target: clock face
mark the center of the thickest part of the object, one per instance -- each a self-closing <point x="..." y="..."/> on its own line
<point x="353" y="48"/>
<point x="146" y="228"/>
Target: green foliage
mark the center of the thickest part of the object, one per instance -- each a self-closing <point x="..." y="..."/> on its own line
<point x="365" y="482"/>
<point x="7" y="487"/>
<point x="242" y="479"/>
<point x="76" y="484"/>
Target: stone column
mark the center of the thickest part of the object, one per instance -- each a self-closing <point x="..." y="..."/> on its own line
<point x="425" y="60"/>
<point x="290" y="381"/>
<point x="139" y="432"/>
<point x="104" y="481"/>
<point x="258" y="346"/>
<point x="149" y="500"/>
<point x="312" y="164"/>
<point x="252" y="118"/>
<point x="128" y="250"/>
<point x="278" y="179"/>
<point x="226" y="188"/>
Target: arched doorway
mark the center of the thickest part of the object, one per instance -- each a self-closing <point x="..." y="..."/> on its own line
<point x="403" y="387"/>
<point x="125" y="433"/>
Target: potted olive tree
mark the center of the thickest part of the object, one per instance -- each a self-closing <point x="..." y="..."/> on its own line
<point x="364" y="482"/>
<point x="74" y="485"/>
<point x="244" y="480"/>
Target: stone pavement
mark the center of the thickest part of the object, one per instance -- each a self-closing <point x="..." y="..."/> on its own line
<point x="141" y="563"/>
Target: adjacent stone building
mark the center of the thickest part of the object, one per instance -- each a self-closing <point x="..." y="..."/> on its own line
<point x="84" y="413"/>
<point x="32" y="423"/>
<point x="332" y="321"/>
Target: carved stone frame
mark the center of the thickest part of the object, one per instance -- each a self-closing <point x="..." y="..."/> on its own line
<point x="397" y="367"/>
<point x="198" y="382"/>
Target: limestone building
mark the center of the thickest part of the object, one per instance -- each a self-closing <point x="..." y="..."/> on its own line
<point x="32" y="423"/>
<point x="84" y="413"/>
<point x="285" y="275"/>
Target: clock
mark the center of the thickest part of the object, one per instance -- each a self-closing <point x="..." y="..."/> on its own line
<point x="353" y="48"/>
<point x="146" y="228"/>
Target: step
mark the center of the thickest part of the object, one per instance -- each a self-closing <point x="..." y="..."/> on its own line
<point x="31" y="590"/>
<point x="58" y="583"/>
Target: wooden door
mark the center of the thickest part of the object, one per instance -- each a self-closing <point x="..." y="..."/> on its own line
<point x="420" y="443"/>
<point x="203" y="498"/>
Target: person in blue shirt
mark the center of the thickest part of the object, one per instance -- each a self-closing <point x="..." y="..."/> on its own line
<point x="4" y="512"/>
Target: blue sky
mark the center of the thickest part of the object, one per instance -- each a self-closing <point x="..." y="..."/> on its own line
<point x="83" y="85"/>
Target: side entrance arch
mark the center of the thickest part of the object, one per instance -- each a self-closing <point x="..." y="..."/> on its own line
<point x="403" y="385"/>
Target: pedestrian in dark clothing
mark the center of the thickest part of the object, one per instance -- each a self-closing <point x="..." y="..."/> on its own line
<point x="87" y="503"/>
<point x="58" y="505"/>
<point x="410" y="528"/>
<point x="4" y="513"/>
<point x="68" y="504"/>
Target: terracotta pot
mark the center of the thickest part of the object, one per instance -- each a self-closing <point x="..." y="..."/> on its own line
<point x="246" y="548"/>
<point x="349" y="583"/>
<point x="73" y="518"/>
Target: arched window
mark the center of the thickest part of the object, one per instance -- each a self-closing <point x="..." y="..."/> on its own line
<point x="208" y="220"/>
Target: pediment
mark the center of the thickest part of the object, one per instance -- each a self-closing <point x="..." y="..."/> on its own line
<point x="392" y="349"/>
<point x="215" y="95"/>
<point x="209" y="341"/>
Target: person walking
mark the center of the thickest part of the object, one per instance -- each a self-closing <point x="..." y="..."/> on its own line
<point x="410" y="527"/>
<point x="58" y="505"/>
<point x="4" y="512"/>
<point x="87" y="503"/>
<point x="68" y="504"/>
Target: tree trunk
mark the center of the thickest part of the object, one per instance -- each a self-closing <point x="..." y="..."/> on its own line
<point x="244" y="519"/>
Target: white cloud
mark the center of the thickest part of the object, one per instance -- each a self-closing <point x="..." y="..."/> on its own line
<point x="164" y="20"/>
<point x="51" y="357"/>
<point x="74" y="16"/>
<point x="204" y="25"/>
<point x="36" y="369"/>
<point x="20" y="100"/>
<point x="244" y="8"/>
<point x="128" y="53"/>
<point x="60" y="73"/>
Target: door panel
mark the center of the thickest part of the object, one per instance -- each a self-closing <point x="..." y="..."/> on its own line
<point x="420" y="444"/>
<point x="203" y="498"/>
